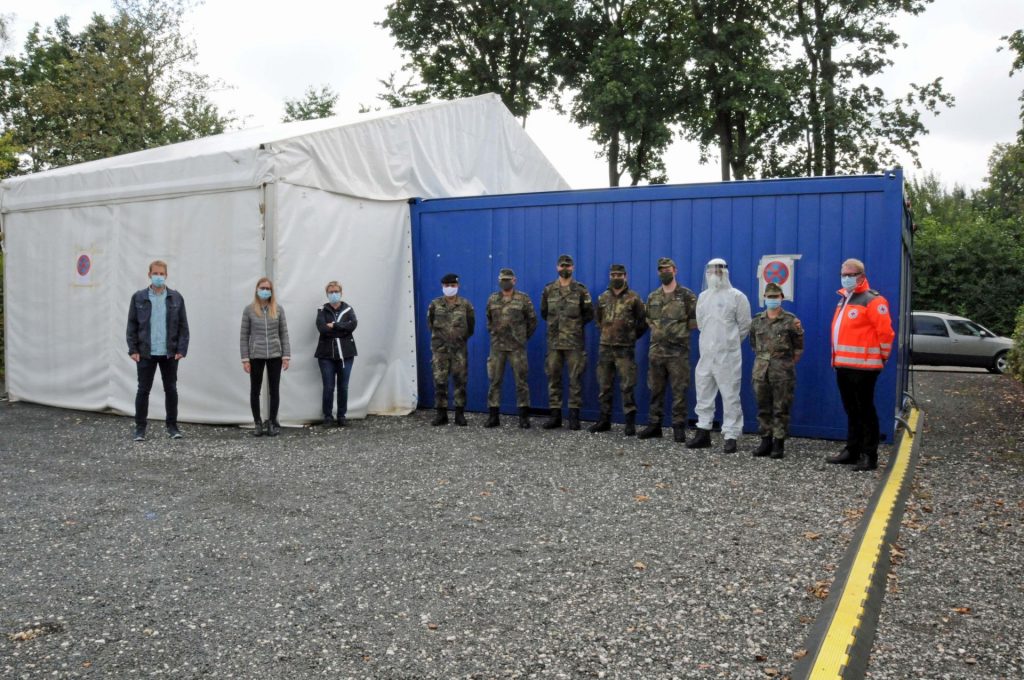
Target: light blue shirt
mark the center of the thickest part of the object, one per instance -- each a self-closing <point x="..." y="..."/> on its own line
<point x="158" y="324"/>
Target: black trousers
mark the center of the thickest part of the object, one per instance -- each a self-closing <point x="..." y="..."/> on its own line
<point x="146" y="369"/>
<point x="857" y="389"/>
<point x="256" y="367"/>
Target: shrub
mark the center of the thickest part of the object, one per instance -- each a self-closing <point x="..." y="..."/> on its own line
<point x="1016" y="355"/>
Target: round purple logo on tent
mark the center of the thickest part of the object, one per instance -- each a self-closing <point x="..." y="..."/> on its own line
<point x="84" y="265"/>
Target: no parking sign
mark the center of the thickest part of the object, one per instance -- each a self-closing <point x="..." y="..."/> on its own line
<point x="83" y="269"/>
<point x="777" y="269"/>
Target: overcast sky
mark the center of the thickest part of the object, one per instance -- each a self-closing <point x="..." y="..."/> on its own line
<point x="268" y="52"/>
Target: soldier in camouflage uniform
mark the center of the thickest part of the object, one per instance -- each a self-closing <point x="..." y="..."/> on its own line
<point x="777" y="339"/>
<point x="622" y="319"/>
<point x="566" y="306"/>
<point x="451" y="320"/>
<point x="511" y="321"/>
<point x="671" y="314"/>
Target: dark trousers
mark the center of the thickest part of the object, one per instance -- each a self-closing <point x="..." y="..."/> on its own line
<point x="857" y="389"/>
<point x="146" y="369"/>
<point x="335" y="374"/>
<point x="273" y="367"/>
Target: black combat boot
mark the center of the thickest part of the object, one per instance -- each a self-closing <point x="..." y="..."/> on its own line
<point x="844" y="457"/>
<point x="631" y="424"/>
<point x="679" y="432"/>
<point x="524" y="418"/>
<point x="778" y="449"/>
<point x="729" y="446"/>
<point x="764" y="448"/>
<point x="603" y="424"/>
<point x="652" y="431"/>
<point x="701" y="440"/>
<point x="492" y="417"/>
<point x="553" y="421"/>
<point x="274" y="429"/>
<point x="574" y="419"/>
<point x="258" y="432"/>
<point x="460" y="416"/>
<point x="441" y="418"/>
<point x="867" y="462"/>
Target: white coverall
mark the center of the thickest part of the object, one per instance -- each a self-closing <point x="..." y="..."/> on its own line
<point x="723" y="317"/>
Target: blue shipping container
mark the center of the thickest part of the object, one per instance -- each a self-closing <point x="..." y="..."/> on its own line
<point x="823" y="220"/>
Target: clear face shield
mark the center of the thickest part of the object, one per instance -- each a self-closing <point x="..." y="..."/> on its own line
<point x="716" y="275"/>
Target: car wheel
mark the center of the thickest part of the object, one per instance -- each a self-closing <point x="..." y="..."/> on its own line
<point x="1000" y="364"/>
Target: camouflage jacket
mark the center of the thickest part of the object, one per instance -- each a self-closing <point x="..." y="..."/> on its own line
<point x="510" y="322"/>
<point x="671" y="317"/>
<point x="621" y="318"/>
<point x="775" y="342"/>
<point x="566" y="309"/>
<point x="451" y="323"/>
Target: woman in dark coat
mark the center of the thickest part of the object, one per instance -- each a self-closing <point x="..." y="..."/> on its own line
<point x="335" y="351"/>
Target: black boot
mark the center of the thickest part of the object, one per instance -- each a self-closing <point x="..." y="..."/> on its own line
<point x="274" y="428"/>
<point x="441" y="418"/>
<point x="651" y="431"/>
<point x="764" y="448"/>
<point x="729" y="446"/>
<point x="553" y="421"/>
<point x="867" y="462"/>
<point x="679" y="432"/>
<point x="258" y="432"/>
<point x="603" y="424"/>
<point x="630" y="428"/>
<point x="701" y="440"/>
<point x="492" y="417"/>
<point x="844" y="457"/>
<point x="524" y="417"/>
<point x="574" y="419"/>
<point x="778" y="449"/>
<point x="460" y="416"/>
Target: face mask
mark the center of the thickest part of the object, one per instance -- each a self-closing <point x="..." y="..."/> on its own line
<point x="617" y="284"/>
<point x="848" y="282"/>
<point x="565" y="273"/>
<point x="666" y="277"/>
<point x="449" y="291"/>
<point x="505" y="285"/>
<point x="772" y="303"/>
<point x="334" y="298"/>
<point x="157" y="280"/>
<point x="264" y="294"/>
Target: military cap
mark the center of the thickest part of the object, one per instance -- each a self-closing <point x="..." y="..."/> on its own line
<point x="450" y="278"/>
<point x="617" y="269"/>
<point x="665" y="262"/>
<point x="564" y="259"/>
<point x="773" y="288"/>
<point x="506" y="273"/>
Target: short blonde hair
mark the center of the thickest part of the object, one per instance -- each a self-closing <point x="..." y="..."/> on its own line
<point x="855" y="262"/>
<point x="332" y="284"/>
<point x="157" y="263"/>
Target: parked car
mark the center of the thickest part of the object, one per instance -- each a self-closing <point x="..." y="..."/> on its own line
<point x="940" y="339"/>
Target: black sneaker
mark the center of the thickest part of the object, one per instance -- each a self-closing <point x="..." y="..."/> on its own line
<point x="342" y="421"/>
<point x="173" y="432"/>
<point x="140" y="433"/>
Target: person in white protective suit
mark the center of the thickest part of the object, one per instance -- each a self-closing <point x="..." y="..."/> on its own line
<point x="723" y="318"/>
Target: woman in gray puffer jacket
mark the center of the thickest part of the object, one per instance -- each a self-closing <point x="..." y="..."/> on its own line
<point x="264" y="345"/>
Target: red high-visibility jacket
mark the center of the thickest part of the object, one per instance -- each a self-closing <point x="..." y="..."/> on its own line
<point x="862" y="332"/>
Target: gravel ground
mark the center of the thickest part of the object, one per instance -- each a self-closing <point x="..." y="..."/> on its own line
<point x="955" y="606"/>
<point x="393" y="549"/>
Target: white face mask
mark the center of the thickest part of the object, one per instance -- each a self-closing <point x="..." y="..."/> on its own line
<point x="449" y="291"/>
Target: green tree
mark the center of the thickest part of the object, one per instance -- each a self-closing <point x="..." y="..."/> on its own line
<point x="314" y="104"/>
<point x="1015" y="42"/>
<point x="460" y="49"/>
<point x="123" y="84"/>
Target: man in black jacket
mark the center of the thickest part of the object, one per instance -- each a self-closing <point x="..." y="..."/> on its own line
<point x="157" y="338"/>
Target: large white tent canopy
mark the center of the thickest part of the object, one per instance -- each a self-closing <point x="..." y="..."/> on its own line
<point x="303" y="203"/>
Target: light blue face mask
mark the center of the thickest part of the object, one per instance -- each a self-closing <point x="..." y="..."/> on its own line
<point x="157" y="280"/>
<point x="848" y="282"/>
<point x="772" y="303"/>
<point x="264" y="294"/>
<point x="334" y="298"/>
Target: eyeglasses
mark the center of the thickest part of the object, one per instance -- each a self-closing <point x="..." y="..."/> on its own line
<point x="850" y="273"/>
<point x="266" y="288"/>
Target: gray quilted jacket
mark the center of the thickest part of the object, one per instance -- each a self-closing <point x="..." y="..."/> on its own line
<point x="263" y="337"/>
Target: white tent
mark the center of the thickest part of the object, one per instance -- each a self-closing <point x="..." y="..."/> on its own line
<point x="303" y="203"/>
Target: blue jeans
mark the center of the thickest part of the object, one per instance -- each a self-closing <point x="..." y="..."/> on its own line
<point x="146" y="369"/>
<point x="335" y="373"/>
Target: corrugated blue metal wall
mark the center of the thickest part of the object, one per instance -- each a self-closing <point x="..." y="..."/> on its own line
<point x="824" y="220"/>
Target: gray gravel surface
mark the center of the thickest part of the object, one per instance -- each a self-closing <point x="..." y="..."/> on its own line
<point x="955" y="605"/>
<point x="392" y="549"/>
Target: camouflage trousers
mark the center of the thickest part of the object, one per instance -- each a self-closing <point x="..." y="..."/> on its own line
<point x="665" y="372"/>
<point x="496" y="372"/>
<point x="576" y="361"/>
<point x="454" y="364"/>
<point x="774" y="399"/>
<point x="612" y="360"/>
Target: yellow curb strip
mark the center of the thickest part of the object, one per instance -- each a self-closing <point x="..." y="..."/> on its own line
<point x="834" y="654"/>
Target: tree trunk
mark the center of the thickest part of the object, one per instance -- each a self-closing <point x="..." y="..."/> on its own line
<point x="613" y="160"/>
<point x="828" y="81"/>
<point x="724" y="142"/>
